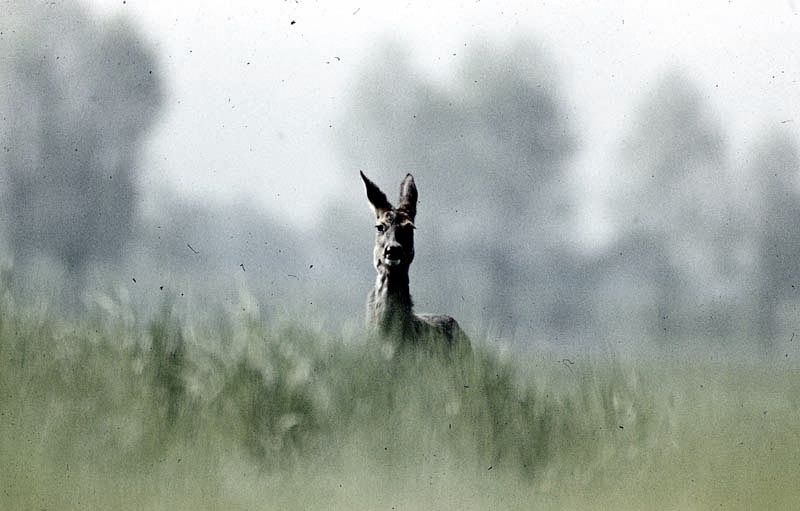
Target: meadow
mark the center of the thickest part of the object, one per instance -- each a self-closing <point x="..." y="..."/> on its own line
<point x="240" y="413"/>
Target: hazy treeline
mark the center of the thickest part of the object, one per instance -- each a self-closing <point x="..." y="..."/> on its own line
<point x="706" y="235"/>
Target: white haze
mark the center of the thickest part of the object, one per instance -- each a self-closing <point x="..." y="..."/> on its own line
<point x="256" y="89"/>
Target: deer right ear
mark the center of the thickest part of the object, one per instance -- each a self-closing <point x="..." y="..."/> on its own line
<point x="408" y="196"/>
<point x="376" y="197"/>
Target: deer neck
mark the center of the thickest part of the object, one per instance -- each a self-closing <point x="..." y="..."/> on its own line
<point x="390" y="302"/>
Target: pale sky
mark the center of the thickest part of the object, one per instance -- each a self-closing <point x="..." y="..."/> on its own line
<point x="256" y="88"/>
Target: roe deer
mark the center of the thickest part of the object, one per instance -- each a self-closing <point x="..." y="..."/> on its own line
<point x="390" y="312"/>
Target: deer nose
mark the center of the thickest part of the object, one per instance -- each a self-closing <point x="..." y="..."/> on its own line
<point x="393" y="250"/>
<point x="393" y="253"/>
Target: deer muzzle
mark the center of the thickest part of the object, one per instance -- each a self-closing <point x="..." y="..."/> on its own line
<point x="393" y="255"/>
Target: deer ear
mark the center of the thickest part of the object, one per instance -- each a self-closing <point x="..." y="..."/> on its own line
<point x="376" y="197"/>
<point x="408" y="196"/>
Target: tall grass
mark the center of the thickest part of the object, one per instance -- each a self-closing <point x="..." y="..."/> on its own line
<point x="247" y="415"/>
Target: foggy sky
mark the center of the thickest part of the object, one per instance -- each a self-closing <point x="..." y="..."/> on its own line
<point x="257" y="90"/>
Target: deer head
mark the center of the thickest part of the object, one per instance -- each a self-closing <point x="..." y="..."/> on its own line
<point x="394" y="239"/>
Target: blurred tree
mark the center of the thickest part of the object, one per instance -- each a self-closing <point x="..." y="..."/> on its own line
<point x="776" y="168"/>
<point x="678" y="198"/>
<point x="77" y="98"/>
<point x="492" y="146"/>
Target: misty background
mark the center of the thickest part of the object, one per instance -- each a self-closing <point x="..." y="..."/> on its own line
<point x="211" y="158"/>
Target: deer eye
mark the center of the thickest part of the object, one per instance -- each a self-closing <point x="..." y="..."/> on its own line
<point x="380" y="227"/>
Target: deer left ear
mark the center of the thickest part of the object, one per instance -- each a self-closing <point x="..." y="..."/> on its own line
<point x="376" y="197"/>
<point x="408" y="196"/>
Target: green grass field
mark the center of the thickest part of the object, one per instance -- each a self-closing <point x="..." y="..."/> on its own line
<point x="100" y="414"/>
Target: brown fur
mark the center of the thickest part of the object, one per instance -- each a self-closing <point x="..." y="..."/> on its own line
<point x="390" y="310"/>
